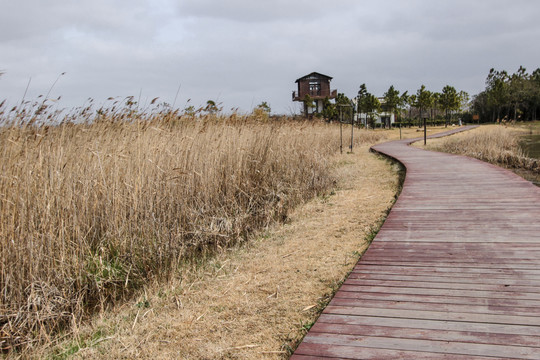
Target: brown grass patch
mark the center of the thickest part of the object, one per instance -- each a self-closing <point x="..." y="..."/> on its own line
<point x="491" y="143"/>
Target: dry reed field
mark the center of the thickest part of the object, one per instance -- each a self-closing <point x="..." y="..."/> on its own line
<point x="92" y="212"/>
<point x="495" y="144"/>
<point x="255" y="300"/>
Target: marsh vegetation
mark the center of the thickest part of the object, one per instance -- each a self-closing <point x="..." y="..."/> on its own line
<point x="92" y="212"/>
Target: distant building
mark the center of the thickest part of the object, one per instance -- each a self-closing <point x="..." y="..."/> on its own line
<point x="317" y="86"/>
<point x="383" y="118"/>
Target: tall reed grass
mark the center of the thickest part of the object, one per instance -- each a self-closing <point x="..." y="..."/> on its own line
<point x="497" y="145"/>
<point x="91" y="212"/>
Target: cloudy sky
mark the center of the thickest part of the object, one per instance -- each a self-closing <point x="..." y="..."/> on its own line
<point x="243" y="52"/>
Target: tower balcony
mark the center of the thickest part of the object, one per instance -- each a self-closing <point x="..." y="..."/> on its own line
<point x="315" y="95"/>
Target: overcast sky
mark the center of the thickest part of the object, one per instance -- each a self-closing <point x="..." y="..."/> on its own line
<point x="243" y="52"/>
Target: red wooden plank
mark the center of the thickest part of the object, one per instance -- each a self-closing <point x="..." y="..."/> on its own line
<point x="454" y="263"/>
<point x="428" y="334"/>
<point x="451" y="257"/>
<point x="440" y="299"/>
<point x="442" y="250"/>
<point x="445" y="271"/>
<point x="502" y="287"/>
<point x="445" y="279"/>
<point x="445" y="347"/>
<point x="403" y="322"/>
<point x="533" y="322"/>
<point x="312" y="357"/>
<point x="441" y="292"/>
<point x="508" y="246"/>
<point x="324" y="351"/>
<point x="437" y="306"/>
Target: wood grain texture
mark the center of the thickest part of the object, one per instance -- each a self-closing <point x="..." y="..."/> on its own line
<point x="454" y="272"/>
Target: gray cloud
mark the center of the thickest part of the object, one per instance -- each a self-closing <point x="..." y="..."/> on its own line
<point x="262" y="11"/>
<point x="244" y="52"/>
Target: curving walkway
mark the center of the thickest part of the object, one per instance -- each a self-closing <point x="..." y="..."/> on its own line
<point x="454" y="272"/>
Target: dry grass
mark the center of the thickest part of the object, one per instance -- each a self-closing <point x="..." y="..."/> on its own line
<point x="492" y="143"/>
<point x="256" y="300"/>
<point x="93" y="212"/>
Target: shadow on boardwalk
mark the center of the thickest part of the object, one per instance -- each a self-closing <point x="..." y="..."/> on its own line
<point x="454" y="272"/>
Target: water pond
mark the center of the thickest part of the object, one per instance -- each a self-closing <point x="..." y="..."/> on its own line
<point x="531" y="145"/>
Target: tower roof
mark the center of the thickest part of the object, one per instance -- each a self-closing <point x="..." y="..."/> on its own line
<point x="314" y="75"/>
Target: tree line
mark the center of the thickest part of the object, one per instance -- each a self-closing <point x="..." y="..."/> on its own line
<point x="509" y="97"/>
<point x="408" y="109"/>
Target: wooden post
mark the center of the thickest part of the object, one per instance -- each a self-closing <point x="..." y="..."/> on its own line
<point x="425" y="132"/>
<point x="400" y="131"/>
<point x="341" y="133"/>
<point x="352" y="132"/>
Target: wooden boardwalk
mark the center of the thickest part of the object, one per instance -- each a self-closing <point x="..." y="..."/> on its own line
<point x="454" y="272"/>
